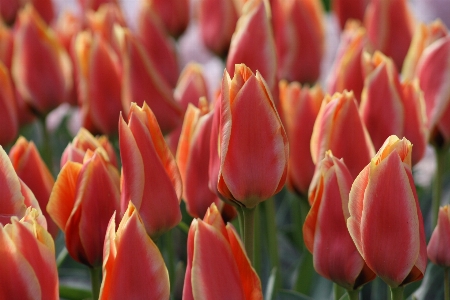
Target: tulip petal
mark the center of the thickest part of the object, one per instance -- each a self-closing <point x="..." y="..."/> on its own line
<point x="440" y="239"/>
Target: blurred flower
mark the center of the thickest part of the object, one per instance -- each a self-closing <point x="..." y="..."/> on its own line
<point x="253" y="159"/>
<point x="150" y="176"/>
<point x="30" y="168"/>
<point x="41" y="67"/>
<point x="349" y="9"/>
<point x="45" y="9"/>
<point x="440" y="239"/>
<point x="9" y="9"/>
<point x="385" y="220"/>
<point x="217" y="266"/>
<point x="325" y="230"/>
<point x="299" y="37"/>
<point x="339" y="128"/>
<point x="133" y="267"/>
<point x="300" y="107"/>
<point x="94" y="5"/>
<point x="6" y="45"/>
<point x="173" y="13"/>
<point x="27" y="259"/>
<point x="9" y="123"/>
<point x="81" y="203"/>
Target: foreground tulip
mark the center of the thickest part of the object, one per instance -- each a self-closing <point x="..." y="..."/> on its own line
<point x="133" y="267"/>
<point x="440" y="239"/>
<point x="80" y="210"/>
<point x="300" y="107"/>
<point x="338" y="126"/>
<point x="9" y="122"/>
<point x="385" y="220"/>
<point x="150" y="176"/>
<point x="27" y="260"/>
<point x="325" y="230"/>
<point x="173" y="13"/>
<point x="231" y="276"/>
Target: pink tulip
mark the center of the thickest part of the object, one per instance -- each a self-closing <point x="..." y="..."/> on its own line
<point x="173" y="13"/>
<point x="349" y="9"/>
<point x="94" y="5"/>
<point x="440" y="239"/>
<point x="9" y="120"/>
<point x="6" y="45"/>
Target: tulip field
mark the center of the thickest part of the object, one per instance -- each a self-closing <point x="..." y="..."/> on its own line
<point x="225" y="149"/>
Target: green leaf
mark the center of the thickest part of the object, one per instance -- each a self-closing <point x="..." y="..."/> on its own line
<point x="73" y="293"/>
<point x="291" y="295"/>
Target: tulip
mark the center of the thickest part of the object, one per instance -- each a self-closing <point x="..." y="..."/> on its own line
<point x="150" y="176"/>
<point x="440" y="239"/>
<point x="30" y="168"/>
<point x="253" y="159"/>
<point x="80" y="210"/>
<point x="141" y="82"/>
<point x="253" y="43"/>
<point x="41" y="68"/>
<point x="325" y="230"/>
<point x="349" y="9"/>
<point x="173" y="13"/>
<point x="6" y="45"/>
<point x="207" y="277"/>
<point x="99" y="83"/>
<point x="9" y="9"/>
<point x="300" y="107"/>
<point x="217" y="21"/>
<point x="45" y="9"/>
<point x="390" y="26"/>
<point x="338" y="126"/>
<point x="401" y="109"/>
<point x="27" y="259"/>
<point x="300" y="38"/>
<point x="94" y="5"/>
<point x="133" y="267"/>
<point x="385" y="220"/>
<point x="9" y="123"/>
<point x="346" y="72"/>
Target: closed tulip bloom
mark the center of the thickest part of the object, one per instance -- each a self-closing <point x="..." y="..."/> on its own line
<point x="207" y="277"/>
<point x="346" y="72"/>
<point x="80" y="210"/>
<point x="9" y="120"/>
<point x="133" y="267"/>
<point x="94" y="5"/>
<point x="440" y="239"/>
<point x="325" y="229"/>
<point x="390" y="26"/>
<point x="349" y="9"/>
<point x="300" y="107"/>
<point x="41" y="67"/>
<point x="9" y="9"/>
<point x="45" y="9"/>
<point x="253" y="159"/>
<point x="30" y="167"/>
<point x="150" y="176"/>
<point x="337" y="126"/>
<point x="27" y="259"/>
<point x="389" y="107"/>
<point x="173" y="13"/>
<point x="253" y="42"/>
<point x="300" y="38"/>
<point x="141" y="82"/>
<point x="385" y="220"/>
<point x="6" y="45"/>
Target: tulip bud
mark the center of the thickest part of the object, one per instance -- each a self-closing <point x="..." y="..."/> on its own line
<point x="173" y="13"/>
<point x="385" y="220"/>
<point x="6" y="45"/>
<point x="150" y="176"/>
<point x="9" y="122"/>
<point x="45" y="9"/>
<point x="325" y="229"/>
<point x="300" y="107"/>
<point x="80" y="210"/>
<point x="253" y="159"/>
<point x="9" y="9"/>
<point x="440" y="239"/>
<point x="94" y="5"/>
<point x="231" y="276"/>
<point x="27" y="260"/>
<point x="339" y="128"/>
<point x="133" y="267"/>
<point x="349" y="9"/>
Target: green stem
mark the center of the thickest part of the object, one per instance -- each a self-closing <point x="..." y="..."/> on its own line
<point x="446" y="285"/>
<point x="241" y="218"/>
<point x="271" y="225"/>
<point x="297" y="221"/>
<point x="183" y="227"/>
<point x="168" y="243"/>
<point x="61" y="257"/>
<point x="249" y="224"/>
<point x="46" y="148"/>
<point x="437" y="184"/>
<point x="257" y="242"/>
<point x="96" y="281"/>
<point x="353" y="295"/>
<point x="397" y="293"/>
<point x="339" y="291"/>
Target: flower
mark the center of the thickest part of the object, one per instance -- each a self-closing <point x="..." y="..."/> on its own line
<point x="9" y="120"/>
<point x="349" y="9"/>
<point x="173" y="13"/>
<point x="440" y="239"/>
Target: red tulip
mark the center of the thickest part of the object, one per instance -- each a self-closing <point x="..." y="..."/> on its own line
<point x="253" y="159"/>
<point x="27" y="260"/>
<point x="94" y="5"/>
<point x="45" y="9"/>
<point x="80" y="210"/>
<point x="300" y="107"/>
<point x="173" y="13"/>
<point x="9" y="122"/>
<point x="300" y="38"/>
<point x="6" y="45"/>
<point x="349" y="9"/>
<point x="150" y="176"/>
<point x="9" y="9"/>
<point x="133" y="267"/>
<point x="440" y="239"/>
<point x="339" y="128"/>
<point x="325" y="229"/>
<point x="384" y="218"/>
<point x="207" y="277"/>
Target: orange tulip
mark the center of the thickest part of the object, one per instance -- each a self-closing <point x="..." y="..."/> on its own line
<point x="80" y="210"/>
<point x="339" y="128"/>
<point x="385" y="220"/>
<point x="133" y="267"/>
<point x="325" y="230"/>
<point x="9" y="120"/>
<point x="27" y="259"/>
<point x="173" y="13"/>
<point x="150" y="176"/>
<point x="440" y="239"/>
<point x="207" y="277"/>
<point x="300" y="107"/>
<point x="349" y="9"/>
<point x="300" y="38"/>
<point x="253" y="159"/>
<point x="41" y="67"/>
<point x="30" y="167"/>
